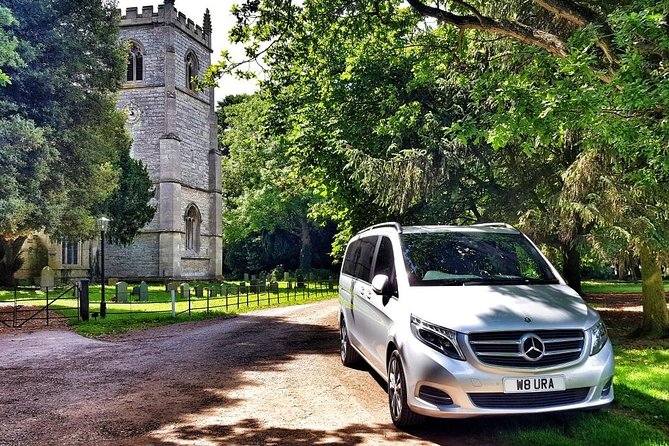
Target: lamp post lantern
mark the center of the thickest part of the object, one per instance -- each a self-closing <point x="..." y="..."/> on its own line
<point x="103" y="224"/>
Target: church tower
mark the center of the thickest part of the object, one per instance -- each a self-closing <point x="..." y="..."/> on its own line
<point x="173" y="128"/>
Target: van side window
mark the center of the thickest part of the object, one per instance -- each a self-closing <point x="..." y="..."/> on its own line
<point x="385" y="261"/>
<point x="363" y="262"/>
<point x="349" y="261"/>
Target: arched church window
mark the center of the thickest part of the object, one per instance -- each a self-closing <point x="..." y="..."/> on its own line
<point x="193" y="221"/>
<point x="135" y="64"/>
<point x="69" y="252"/>
<point x="192" y="68"/>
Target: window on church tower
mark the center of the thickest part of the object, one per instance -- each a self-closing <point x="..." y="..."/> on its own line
<point x="70" y="252"/>
<point x="191" y="70"/>
<point x="135" y="64"/>
<point x="193" y="228"/>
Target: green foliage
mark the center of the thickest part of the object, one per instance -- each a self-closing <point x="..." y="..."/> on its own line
<point x="26" y="197"/>
<point x="73" y="64"/>
<point x="9" y="44"/>
<point x="128" y="206"/>
<point x="263" y="191"/>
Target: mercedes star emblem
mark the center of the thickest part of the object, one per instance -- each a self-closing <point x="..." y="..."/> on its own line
<point x="532" y="347"/>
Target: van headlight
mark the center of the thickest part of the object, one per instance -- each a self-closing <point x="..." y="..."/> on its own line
<point x="599" y="337"/>
<point x="439" y="338"/>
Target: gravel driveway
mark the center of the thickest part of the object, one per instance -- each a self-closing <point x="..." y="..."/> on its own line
<point x="271" y="377"/>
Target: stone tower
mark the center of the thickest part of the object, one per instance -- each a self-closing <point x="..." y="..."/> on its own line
<point x="174" y="133"/>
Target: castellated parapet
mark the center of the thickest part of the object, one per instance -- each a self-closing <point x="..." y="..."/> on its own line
<point x="166" y="14"/>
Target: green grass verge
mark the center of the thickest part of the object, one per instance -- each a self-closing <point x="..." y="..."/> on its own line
<point x="124" y="317"/>
<point x="642" y="382"/>
<point x="612" y="287"/>
<point x="609" y="429"/>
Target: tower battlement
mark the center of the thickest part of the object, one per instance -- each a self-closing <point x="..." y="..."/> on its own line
<point x="166" y="14"/>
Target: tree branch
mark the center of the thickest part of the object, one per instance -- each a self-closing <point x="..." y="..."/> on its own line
<point x="581" y="16"/>
<point x="503" y="27"/>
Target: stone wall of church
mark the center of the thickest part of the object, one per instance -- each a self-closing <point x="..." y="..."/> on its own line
<point x="140" y="259"/>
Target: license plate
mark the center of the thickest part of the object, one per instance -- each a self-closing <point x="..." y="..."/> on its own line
<point x="529" y="384"/>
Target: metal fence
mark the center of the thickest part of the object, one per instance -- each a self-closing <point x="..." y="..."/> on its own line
<point x="32" y="305"/>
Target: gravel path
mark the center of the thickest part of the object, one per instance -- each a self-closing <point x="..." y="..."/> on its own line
<point x="267" y="378"/>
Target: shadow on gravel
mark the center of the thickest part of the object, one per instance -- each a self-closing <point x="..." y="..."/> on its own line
<point x="472" y="432"/>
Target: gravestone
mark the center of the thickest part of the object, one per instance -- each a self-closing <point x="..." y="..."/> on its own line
<point x="171" y="286"/>
<point x="254" y="285"/>
<point x="246" y="277"/>
<point x="185" y="289"/>
<point x="121" y="292"/>
<point x="243" y="288"/>
<point x="199" y="290"/>
<point x="300" y="281"/>
<point x="47" y="278"/>
<point x="262" y="285"/>
<point x="143" y="292"/>
<point x="286" y="276"/>
<point x="274" y="287"/>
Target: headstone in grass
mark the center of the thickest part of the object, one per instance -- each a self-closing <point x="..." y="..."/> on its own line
<point x="185" y="289"/>
<point x="143" y="292"/>
<point x="274" y="287"/>
<point x="254" y="284"/>
<point x="246" y="277"/>
<point x="121" y="292"/>
<point x="199" y="290"/>
<point x="47" y="278"/>
<point x="262" y="285"/>
<point x="300" y="281"/>
<point x="243" y="289"/>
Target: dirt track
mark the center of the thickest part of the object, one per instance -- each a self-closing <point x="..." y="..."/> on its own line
<point x="272" y="377"/>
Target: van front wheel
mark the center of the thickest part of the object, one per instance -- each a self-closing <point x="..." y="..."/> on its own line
<point x="400" y="412"/>
<point x="349" y="357"/>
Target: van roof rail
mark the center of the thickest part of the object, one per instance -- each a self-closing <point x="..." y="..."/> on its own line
<point x="494" y="225"/>
<point x="389" y="224"/>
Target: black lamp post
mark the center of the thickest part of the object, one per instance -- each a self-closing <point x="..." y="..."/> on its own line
<point x="103" y="224"/>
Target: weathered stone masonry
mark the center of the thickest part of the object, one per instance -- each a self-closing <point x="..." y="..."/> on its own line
<point x="174" y="134"/>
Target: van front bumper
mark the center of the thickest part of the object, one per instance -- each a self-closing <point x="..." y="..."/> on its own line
<point x="442" y="387"/>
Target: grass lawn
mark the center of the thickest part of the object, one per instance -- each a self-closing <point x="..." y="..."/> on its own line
<point x="612" y="287"/>
<point x="122" y="317"/>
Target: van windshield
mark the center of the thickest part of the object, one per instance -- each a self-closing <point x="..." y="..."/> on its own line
<point x="473" y="258"/>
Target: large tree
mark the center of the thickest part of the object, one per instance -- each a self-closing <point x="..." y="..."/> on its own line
<point x="61" y="99"/>
<point x="557" y="80"/>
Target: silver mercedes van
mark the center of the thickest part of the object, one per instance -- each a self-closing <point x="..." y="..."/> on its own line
<point x="464" y="321"/>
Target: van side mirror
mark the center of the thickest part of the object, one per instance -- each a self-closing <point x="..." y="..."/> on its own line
<point x="381" y="284"/>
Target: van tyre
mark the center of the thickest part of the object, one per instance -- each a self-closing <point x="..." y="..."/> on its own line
<point x="400" y="412"/>
<point x="349" y="357"/>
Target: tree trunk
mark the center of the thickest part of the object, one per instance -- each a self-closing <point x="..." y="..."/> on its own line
<point x="306" y="253"/>
<point x="571" y="266"/>
<point x="10" y="261"/>
<point x="655" y="314"/>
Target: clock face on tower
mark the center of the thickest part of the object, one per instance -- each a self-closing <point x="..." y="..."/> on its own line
<point x="133" y="111"/>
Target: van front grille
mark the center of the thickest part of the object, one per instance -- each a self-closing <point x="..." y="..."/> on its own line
<point x="533" y="400"/>
<point x="504" y="348"/>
